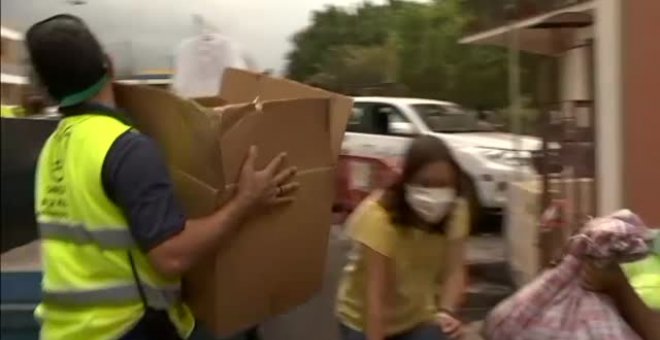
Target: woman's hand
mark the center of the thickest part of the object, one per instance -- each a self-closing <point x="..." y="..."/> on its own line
<point x="449" y="325"/>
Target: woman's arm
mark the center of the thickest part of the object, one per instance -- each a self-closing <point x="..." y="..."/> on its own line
<point x="377" y="275"/>
<point x="451" y="291"/>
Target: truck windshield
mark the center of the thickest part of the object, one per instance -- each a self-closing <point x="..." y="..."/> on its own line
<point x="449" y="118"/>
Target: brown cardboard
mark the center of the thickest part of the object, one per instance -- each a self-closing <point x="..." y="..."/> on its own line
<point x="188" y="139"/>
<point x="275" y="262"/>
<point x="239" y="86"/>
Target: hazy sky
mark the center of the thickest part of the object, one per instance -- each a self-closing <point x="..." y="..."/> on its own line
<point x="144" y="33"/>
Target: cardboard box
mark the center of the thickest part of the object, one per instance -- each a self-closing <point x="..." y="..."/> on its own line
<point x="242" y="86"/>
<point x="276" y="261"/>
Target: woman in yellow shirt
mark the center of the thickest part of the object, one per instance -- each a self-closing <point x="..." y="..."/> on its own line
<point x="405" y="274"/>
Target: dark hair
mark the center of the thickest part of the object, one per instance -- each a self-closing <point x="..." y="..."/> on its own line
<point x="423" y="151"/>
<point x="65" y="55"/>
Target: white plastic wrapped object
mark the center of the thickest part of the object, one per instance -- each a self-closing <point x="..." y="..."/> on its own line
<point x="555" y="306"/>
<point x="201" y="61"/>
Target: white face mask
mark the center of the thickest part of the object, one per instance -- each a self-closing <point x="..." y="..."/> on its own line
<point x="431" y="204"/>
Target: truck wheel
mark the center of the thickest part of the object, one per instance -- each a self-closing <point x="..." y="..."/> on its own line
<point x="474" y="205"/>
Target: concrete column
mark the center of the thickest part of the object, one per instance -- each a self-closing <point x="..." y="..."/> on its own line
<point x="609" y="131"/>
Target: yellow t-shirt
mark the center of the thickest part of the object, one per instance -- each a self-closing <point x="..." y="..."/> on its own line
<point x="418" y="261"/>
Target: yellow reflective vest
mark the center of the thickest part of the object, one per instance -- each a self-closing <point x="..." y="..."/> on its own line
<point x="89" y="290"/>
<point x="644" y="276"/>
<point x="11" y="111"/>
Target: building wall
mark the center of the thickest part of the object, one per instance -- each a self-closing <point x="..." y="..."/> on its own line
<point x="576" y="76"/>
<point x="12" y="51"/>
<point x="11" y="94"/>
<point x="641" y="79"/>
<point x="574" y="68"/>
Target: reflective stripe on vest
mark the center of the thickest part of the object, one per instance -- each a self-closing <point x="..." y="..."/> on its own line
<point x="162" y="298"/>
<point x="107" y="238"/>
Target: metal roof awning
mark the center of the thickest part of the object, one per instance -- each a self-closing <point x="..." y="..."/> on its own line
<point x="545" y="34"/>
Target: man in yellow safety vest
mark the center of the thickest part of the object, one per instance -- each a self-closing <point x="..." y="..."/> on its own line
<point x="634" y="288"/>
<point x="115" y="241"/>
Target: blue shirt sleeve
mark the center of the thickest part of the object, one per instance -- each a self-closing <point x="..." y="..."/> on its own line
<point x="136" y="178"/>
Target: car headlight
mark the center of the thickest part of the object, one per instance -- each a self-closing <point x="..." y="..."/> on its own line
<point x="507" y="157"/>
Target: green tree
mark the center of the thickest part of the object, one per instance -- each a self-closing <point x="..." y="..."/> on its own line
<point x="335" y="27"/>
<point x="414" y="44"/>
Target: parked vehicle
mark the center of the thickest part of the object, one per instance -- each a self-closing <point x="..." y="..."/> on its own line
<point x="383" y="127"/>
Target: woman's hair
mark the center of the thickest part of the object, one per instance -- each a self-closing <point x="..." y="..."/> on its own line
<point x="423" y="151"/>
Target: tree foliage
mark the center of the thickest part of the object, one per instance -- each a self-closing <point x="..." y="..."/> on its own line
<point x="410" y="43"/>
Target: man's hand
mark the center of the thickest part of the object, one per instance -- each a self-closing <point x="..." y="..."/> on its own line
<point x="267" y="187"/>
<point x="256" y="188"/>
<point x="602" y="280"/>
<point x="451" y="326"/>
<point x="613" y="282"/>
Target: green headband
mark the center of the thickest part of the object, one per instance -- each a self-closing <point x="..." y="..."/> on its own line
<point x="85" y="94"/>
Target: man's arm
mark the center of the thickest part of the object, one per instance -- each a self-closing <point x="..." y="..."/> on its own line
<point x="612" y="282"/>
<point x="645" y="321"/>
<point x="135" y="177"/>
<point x="256" y="189"/>
<point x="177" y="254"/>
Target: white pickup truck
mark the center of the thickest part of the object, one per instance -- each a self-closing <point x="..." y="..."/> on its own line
<point x="383" y="127"/>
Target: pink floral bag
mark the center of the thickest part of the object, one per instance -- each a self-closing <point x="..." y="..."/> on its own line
<point x="555" y="306"/>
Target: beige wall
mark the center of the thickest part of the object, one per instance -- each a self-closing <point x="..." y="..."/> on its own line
<point x="641" y="103"/>
<point x="12" y="51"/>
<point x="11" y="94"/>
<point x="574" y="68"/>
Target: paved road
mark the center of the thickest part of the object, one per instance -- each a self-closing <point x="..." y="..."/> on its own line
<point x="315" y="320"/>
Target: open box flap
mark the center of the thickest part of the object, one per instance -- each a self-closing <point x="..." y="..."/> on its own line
<point x="240" y="86"/>
<point x="179" y="126"/>
<point x="275" y="127"/>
